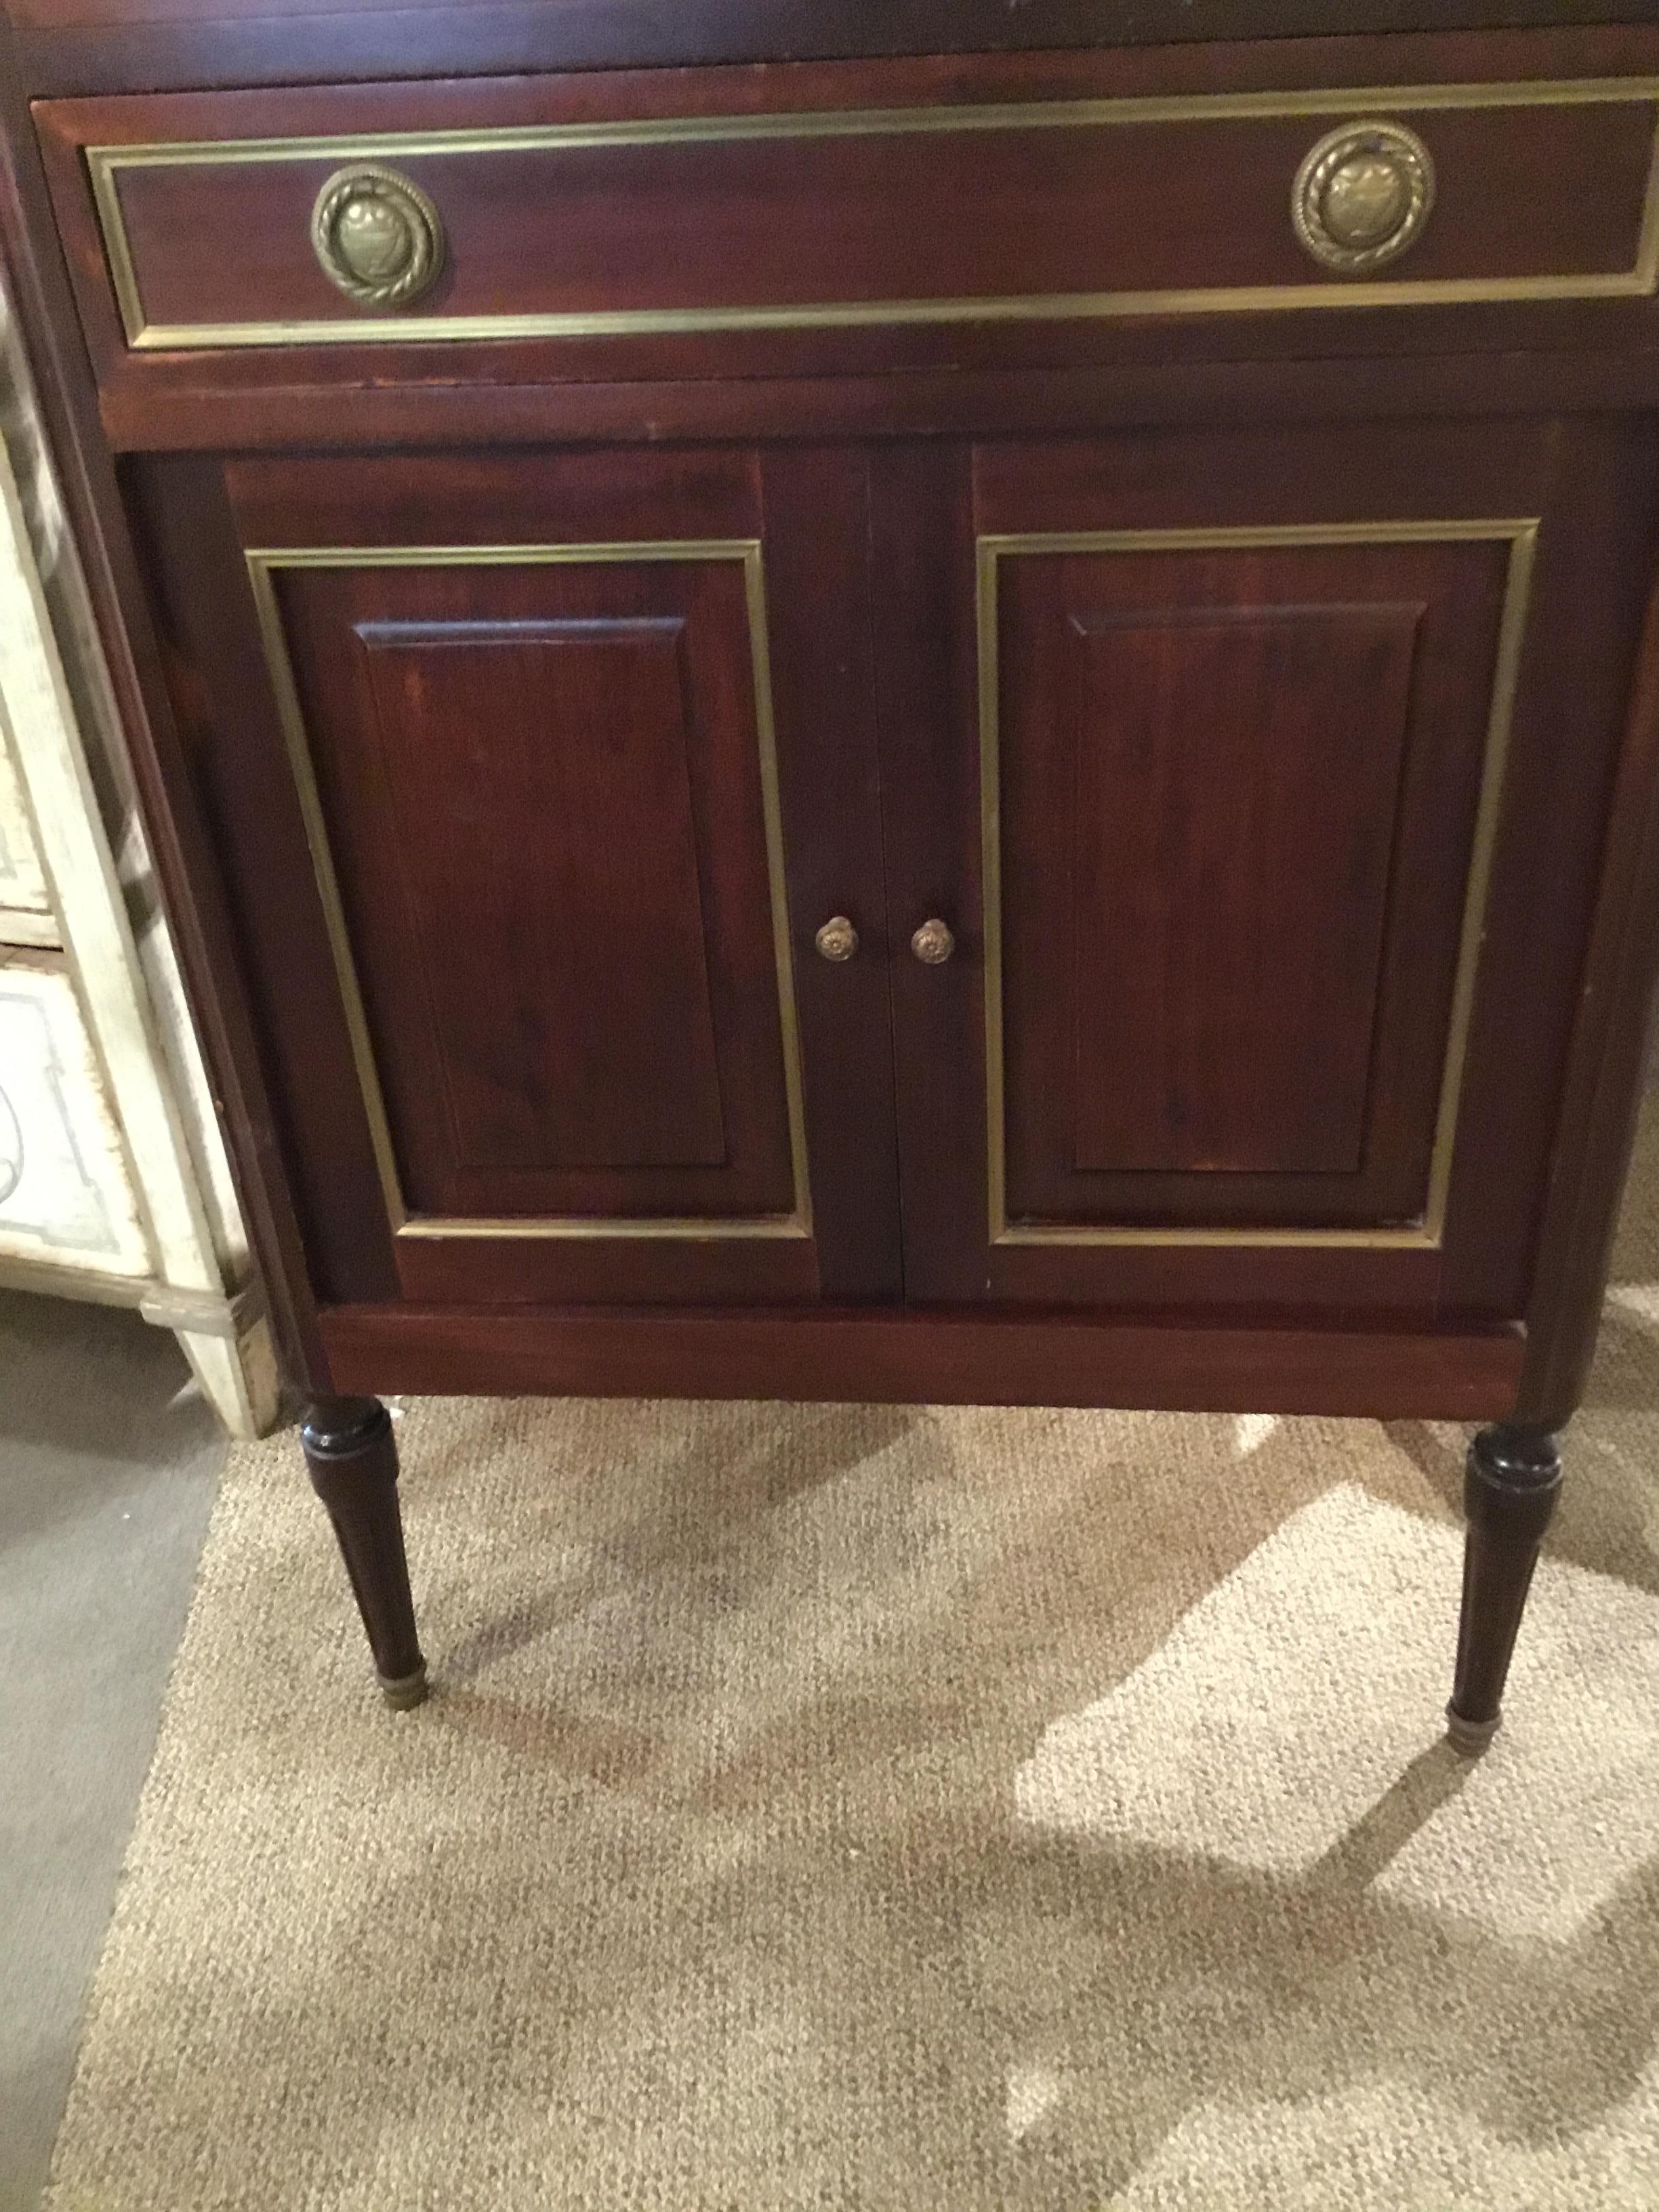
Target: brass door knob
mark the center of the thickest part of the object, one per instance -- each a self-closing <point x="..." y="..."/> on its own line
<point x="837" y="940"/>
<point x="933" y="943"/>
<point x="1363" y="196"/>
<point x="377" y="236"/>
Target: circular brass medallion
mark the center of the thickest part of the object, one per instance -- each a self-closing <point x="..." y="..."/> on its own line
<point x="837" y="940"/>
<point x="933" y="943"/>
<point x="377" y="235"/>
<point x="1363" y="196"/>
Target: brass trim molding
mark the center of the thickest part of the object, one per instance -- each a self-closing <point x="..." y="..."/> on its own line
<point x="1521" y="537"/>
<point x="262" y="564"/>
<point x="106" y="163"/>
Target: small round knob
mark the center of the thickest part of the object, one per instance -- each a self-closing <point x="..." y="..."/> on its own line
<point x="1363" y="196"/>
<point x="377" y="235"/>
<point x="933" y="943"/>
<point x="837" y="940"/>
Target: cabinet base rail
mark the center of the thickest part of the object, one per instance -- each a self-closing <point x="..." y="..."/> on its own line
<point x="942" y="1356"/>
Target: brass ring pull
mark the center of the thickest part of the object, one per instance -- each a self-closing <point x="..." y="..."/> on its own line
<point x="377" y="235"/>
<point x="837" y="940"/>
<point x="933" y="943"/>
<point x="1362" y="196"/>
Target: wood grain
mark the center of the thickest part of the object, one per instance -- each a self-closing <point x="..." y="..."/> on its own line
<point x="511" y="830"/>
<point x="95" y="46"/>
<point x="567" y="979"/>
<point x="1255" y="1055"/>
<point x="1377" y="412"/>
<point x="749" y="224"/>
<point x="1196" y="204"/>
<point x="543" y="790"/>
<point x="939" y="1357"/>
<point x="1238" y="807"/>
<point x="1602" y="1089"/>
<point x="1237" y="791"/>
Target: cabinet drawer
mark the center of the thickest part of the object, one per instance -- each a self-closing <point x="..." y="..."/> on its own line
<point x="64" y="1195"/>
<point x="1045" y="188"/>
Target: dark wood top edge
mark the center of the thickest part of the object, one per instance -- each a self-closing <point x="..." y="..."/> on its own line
<point x="141" y="415"/>
<point x="256" y="46"/>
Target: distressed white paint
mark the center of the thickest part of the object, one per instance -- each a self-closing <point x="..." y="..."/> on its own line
<point x="25" y="908"/>
<point x="161" y="968"/>
<point x="136" y="1146"/>
<point x="64" y="1197"/>
<point x="236" y="1376"/>
<point x="40" y="715"/>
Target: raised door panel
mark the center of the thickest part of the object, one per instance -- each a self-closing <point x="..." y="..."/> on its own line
<point x="1237" y="787"/>
<point x="1231" y="760"/>
<point x="1254" y="996"/>
<point x="544" y="795"/>
<point x="567" y="997"/>
<point x="524" y="728"/>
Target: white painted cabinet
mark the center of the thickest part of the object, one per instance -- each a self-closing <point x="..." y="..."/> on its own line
<point x="25" y="915"/>
<point x="114" y="1182"/>
<point x="66" y="1196"/>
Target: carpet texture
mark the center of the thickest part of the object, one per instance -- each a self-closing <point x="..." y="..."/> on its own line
<point x="109" y="1460"/>
<point x="900" y="1808"/>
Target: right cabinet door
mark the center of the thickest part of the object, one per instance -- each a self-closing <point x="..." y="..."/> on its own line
<point x="1265" y="785"/>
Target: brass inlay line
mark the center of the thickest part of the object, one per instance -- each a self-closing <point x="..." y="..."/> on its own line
<point x="1521" y="535"/>
<point x="106" y="163"/>
<point x="263" y="565"/>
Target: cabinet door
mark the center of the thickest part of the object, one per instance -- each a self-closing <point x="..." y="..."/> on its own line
<point x="517" y="764"/>
<point x="1228" y="760"/>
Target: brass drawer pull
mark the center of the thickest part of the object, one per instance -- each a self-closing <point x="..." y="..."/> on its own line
<point x="1363" y="196"/>
<point x="933" y="943"/>
<point x="377" y="235"/>
<point x="837" y="940"/>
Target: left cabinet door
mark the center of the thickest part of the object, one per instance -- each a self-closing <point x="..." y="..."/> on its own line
<point x="534" y="777"/>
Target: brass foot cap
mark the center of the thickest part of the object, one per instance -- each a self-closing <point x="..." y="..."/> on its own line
<point x="1469" y="1737"/>
<point x="406" y="1690"/>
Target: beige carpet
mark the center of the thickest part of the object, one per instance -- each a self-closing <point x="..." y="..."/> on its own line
<point x="935" y="1810"/>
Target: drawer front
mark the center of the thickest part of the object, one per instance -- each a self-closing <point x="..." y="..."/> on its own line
<point x="818" y="197"/>
<point x="64" y="1196"/>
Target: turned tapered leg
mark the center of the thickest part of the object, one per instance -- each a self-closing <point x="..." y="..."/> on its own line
<point x="353" y="1461"/>
<point x="1509" y="1489"/>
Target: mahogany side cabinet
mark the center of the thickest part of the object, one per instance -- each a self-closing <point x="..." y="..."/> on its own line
<point x="948" y="703"/>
